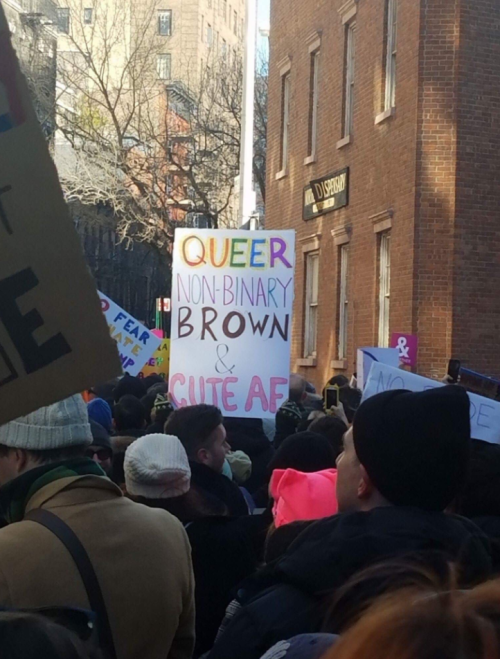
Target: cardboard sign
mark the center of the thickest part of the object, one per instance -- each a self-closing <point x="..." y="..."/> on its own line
<point x="53" y="339"/>
<point x="136" y="343"/>
<point x="407" y="345"/>
<point x="159" y="362"/>
<point x="485" y="413"/>
<point x="232" y="319"/>
<point x="367" y="356"/>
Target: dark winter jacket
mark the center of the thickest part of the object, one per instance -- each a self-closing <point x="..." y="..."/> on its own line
<point x="208" y="481"/>
<point x="289" y="599"/>
<point x="248" y="435"/>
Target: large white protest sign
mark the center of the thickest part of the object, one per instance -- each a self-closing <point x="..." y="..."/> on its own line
<point x="53" y="339"/>
<point x="136" y="343"/>
<point x="232" y="304"/>
<point x="366" y="357"/>
<point x="485" y="413"/>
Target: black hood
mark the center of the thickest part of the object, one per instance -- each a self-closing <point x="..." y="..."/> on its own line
<point x="330" y="551"/>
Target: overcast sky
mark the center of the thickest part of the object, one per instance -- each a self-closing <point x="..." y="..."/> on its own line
<point x="264" y="9"/>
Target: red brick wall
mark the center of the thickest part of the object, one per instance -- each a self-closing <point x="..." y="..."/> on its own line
<point x="445" y="259"/>
<point x="476" y="292"/>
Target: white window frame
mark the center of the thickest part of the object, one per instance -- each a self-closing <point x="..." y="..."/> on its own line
<point x="314" y="103"/>
<point x="165" y="15"/>
<point x="384" y="299"/>
<point x="311" y="304"/>
<point x="343" y="252"/>
<point x="285" y="119"/>
<point x="390" y="62"/>
<point x="163" y="68"/>
<point x="350" y="63"/>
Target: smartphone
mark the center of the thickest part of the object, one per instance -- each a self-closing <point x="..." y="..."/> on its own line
<point x="454" y="366"/>
<point x="331" y="397"/>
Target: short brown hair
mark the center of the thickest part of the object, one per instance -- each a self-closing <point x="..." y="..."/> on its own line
<point x="194" y="426"/>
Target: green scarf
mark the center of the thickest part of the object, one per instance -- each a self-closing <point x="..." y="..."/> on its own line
<point x="14" y="496"/>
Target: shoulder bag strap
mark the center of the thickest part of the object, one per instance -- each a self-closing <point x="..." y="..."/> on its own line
<point x="87" y="573"/>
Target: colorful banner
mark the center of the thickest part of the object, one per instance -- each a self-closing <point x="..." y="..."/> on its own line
<point x="159" y="362"/>
<point x="136" y="343"/>
<point x="484" y="413"/>
<point x="53" y="339"/>
<point x="232" y="304"/>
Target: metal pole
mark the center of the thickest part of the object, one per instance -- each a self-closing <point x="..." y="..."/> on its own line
<point x="247" y="193"/>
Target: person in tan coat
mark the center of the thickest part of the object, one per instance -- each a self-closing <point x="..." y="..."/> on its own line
<point x="141" y="556"/>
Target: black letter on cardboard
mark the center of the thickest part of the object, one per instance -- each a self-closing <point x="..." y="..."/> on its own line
<point x="21" y="328"/>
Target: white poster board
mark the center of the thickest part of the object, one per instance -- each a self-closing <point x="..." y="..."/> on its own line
<point x="232" y="299"/>
<point x="485" y="413"/>
<point x="136" y="343"/>
<point x="367" y="356"/>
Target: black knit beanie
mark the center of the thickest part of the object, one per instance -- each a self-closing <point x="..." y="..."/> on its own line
<point x="415" y="446"/>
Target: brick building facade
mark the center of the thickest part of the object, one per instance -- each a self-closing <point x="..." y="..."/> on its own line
<point x="395" y="106"/>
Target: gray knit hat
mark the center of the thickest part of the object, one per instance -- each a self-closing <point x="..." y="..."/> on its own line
<point x="60" y="425"/>
<point x="157" y="467"/>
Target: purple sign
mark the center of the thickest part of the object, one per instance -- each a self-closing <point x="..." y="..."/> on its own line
<point x="407" y="344"/>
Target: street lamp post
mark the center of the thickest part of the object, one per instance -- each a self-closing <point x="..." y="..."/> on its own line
<point x="247" y="193"/>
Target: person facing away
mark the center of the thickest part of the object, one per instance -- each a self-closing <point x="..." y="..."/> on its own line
<point x="291" y="413"/>
<point x="157" y="474"/>
<point x="101" y="450"/>
<point x="426" y="624"/>
<point x="404" y="461"/>
<point x="141" y="557"/>
<point x="129" y="417"/>
<point x="201" y="431"/>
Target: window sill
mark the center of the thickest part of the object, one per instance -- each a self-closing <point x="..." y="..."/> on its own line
<point x="307" y="361"/>
<point x="310" y="159"/>
<point x="339" y="364"/>
<point x="344" y="142"/>
<point x="383" y="116"/>
<point x="281" y="174"/>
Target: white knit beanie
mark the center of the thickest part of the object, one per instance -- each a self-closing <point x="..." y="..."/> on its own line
<point x="60" y="425"/>
<point x="157" y="467"/>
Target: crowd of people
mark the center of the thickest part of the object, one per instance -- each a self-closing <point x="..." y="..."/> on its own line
<point x="133" y="530"/>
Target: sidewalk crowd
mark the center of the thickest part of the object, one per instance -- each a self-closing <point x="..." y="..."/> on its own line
<point x="133" y="530"/>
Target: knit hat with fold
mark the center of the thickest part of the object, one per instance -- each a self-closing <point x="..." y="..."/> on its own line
<point x="157" y="467"/>
<point x="415" y="447"/>
<point x="61" y="425"/>
<point x="303" y="496"/>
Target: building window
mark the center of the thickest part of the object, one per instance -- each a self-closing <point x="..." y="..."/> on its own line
<point x="311" y="304"/>
<point x="203" y="28"/>
<point x="210" y="35"/>
<point x="165" y="23"/>
<point x="164" y="66"/>
<point x="88" y="15"/>
<point x="224" y="10"/>
<point x="391" y="50"/>
<point x="313" y="103"/>
<point x="384" y="289"/>
<point x="210" y="4"/>
<point x="285" y="119"/>
<point x="235" y="23"/>
<point x="63" y="20"/>
<point x="343" y="300"/>
<point x="224" y="48"/>
<point x="350" y="32"/>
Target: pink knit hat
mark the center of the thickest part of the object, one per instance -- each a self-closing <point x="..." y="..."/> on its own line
<point x="299" y="496"/>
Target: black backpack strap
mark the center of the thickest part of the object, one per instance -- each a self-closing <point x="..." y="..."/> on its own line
<point x="87" y="573"/>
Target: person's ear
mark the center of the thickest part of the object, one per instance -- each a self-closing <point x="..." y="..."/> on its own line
<point x="365" y="486"/>
<point x="202" y="456"/>
<point x="20" y="460"/>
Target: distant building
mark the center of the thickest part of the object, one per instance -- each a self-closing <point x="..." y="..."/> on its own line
<point x="384" y="143"/>
<point x="32" y="24"/>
